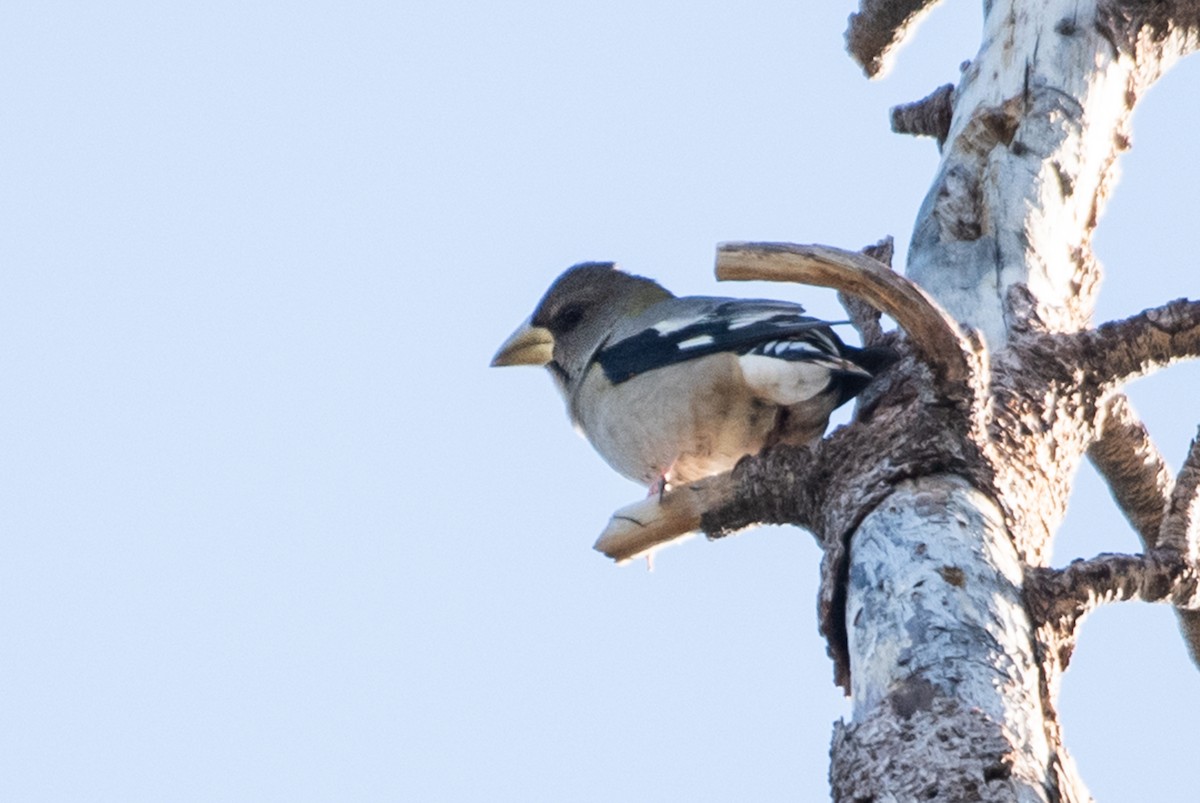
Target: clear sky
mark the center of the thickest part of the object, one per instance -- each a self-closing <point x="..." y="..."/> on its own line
<point x="272" y="530"/>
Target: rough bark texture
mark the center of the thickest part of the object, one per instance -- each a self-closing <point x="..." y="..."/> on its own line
<point x="907" y="737"/>
<point x="1133" y="467"/>
<point x="928" y="117"/>
<point x="879" y="28"/>
<point x="863" y="316"/>
<point x="1063" y="596"/>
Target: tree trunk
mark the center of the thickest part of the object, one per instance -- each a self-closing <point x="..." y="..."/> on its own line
<point x="954" y="682"/>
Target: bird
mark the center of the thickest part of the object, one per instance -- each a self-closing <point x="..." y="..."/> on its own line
<point x="671" y="389"/>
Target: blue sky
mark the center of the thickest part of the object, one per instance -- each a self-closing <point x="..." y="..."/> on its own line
<point x="272" y="530"/>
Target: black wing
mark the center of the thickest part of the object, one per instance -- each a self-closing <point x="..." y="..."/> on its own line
<point x="772" y="329"/>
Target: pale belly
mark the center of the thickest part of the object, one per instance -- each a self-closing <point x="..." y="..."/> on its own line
<point x="656" y="424"/>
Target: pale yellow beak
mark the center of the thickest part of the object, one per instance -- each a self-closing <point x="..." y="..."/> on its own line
<point x="529" y="345"/>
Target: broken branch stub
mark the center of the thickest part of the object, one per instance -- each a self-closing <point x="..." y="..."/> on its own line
<point x="878" y="28"/>
<point x="646" y="526"/>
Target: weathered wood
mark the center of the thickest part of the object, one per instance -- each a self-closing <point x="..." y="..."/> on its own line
<point x="1118" y="351"/>
<point x="644" y="527"/>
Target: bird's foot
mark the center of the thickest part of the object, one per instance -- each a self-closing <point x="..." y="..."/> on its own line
<point x="661" y="485"/>
<point x="658" y="487"/>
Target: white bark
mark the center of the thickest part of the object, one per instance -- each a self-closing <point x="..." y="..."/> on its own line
<point x="1039" y="119"/>
<point x="935" y="610"/>
<point x="939" y="635"/>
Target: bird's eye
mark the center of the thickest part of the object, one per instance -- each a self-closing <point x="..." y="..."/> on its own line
<point x="567" y="318"/>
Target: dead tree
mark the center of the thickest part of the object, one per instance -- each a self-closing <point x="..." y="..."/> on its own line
<point x="935" y="508"/>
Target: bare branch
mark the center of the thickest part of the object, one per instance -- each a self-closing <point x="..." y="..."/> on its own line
<point x="928" y="117"/>
<point x="1181" y="525"/>
<point x="1166" y="515"/>
<point x="863" y="316"/>
<point x="646" y="526"/>
<point x="1120" y="350"/>
<point x="1063" y="596"/>
<point x="878" y="28"/>
<point x="882" y="251"/>
<point x="1139" y="479"/>
<point x="1181" y="531"/>
<point x="933" y="333"/>
<point x="1132" y="466"/>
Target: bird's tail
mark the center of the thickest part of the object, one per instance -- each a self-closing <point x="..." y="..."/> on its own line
<point x="869" y="362"/>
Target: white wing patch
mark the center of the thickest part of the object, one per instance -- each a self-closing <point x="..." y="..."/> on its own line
<point x="782" y="381"/>
<point x="697" y="342"/>
<point x="673" y="325"/>
<point x="742" y="321"/>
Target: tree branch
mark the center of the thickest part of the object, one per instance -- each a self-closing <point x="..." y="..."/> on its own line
<point x="1063" y="596"/>
<point x="1120" y="350"/>
<point x="1181" y="524"/>
<point x="646" y="526"/>
<point x="878" y="28"/>
<point x="1181" y="531"/>
<point x="934" y="334"/>
<point x="863" y="316"/>
<point x="1154" y="503"/>
<point x="1166" y="515"/>
<point x="928" y="117"/>
<point x="1132" y="466"/>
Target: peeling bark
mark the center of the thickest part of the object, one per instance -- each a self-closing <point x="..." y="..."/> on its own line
<point x="926" y="598"/>
<point x="1003" y="241"/>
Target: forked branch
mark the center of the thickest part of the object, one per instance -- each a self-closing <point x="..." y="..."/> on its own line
<point x="1181" y="531"/>
<point x="1167" y="572"/>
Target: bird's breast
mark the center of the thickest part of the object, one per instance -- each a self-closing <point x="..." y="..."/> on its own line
<point x="691" y="419"/>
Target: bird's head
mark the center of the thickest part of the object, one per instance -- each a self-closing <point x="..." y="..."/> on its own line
<point x="575" y="317"/>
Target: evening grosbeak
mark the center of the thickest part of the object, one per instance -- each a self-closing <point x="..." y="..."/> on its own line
<point x="668" y="389"/>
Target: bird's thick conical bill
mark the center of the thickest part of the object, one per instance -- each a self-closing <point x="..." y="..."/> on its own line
<point x="529" y="345"/>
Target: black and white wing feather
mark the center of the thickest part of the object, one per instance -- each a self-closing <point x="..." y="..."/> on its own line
<point x="786" y="356"/>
